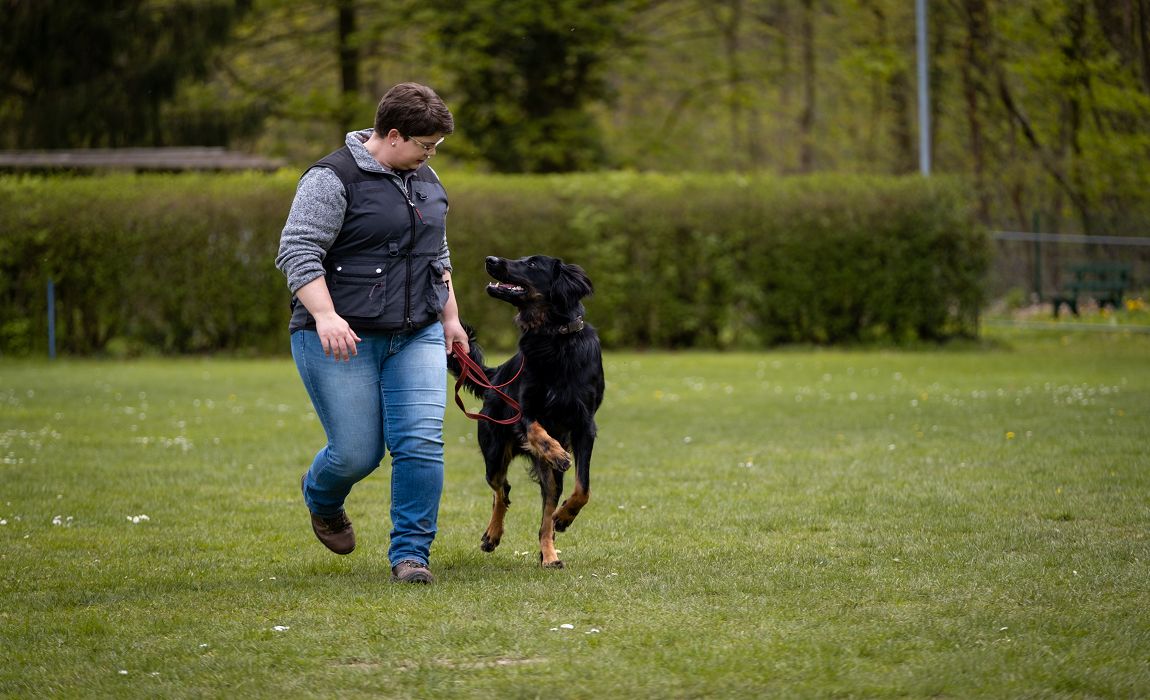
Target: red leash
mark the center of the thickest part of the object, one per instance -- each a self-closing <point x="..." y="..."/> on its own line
<point x="470" y="370"/>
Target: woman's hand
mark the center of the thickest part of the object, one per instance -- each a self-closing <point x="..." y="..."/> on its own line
<point x="335" y="334"/>
<point x="453" y="333"/>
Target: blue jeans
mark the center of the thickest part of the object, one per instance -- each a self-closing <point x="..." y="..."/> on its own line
<point x="388" y="398"/>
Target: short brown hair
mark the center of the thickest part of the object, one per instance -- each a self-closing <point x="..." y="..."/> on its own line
<point x="413" y="110"/>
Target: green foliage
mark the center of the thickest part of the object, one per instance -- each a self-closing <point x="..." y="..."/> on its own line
<point x="1052" y="106"/>
<point x="1044" y="105"/>
<point x="96" y="74"/>
<point x="526" y="72"/>
<point x="731" y="261"/>
<point x="184" y="263"/>
<point x="167" y="264"/>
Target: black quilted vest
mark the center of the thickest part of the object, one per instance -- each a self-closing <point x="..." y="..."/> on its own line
<point x="383" y="270"/>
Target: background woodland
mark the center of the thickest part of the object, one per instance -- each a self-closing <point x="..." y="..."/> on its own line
<point x="1043" y="106"/>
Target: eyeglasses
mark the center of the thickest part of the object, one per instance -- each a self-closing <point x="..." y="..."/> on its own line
<point x="427" y="147"/>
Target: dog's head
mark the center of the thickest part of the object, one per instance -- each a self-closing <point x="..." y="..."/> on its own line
<point x="539" y="285"/>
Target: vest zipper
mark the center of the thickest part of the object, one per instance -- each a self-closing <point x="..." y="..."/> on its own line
<point x="412" y="212"/>
<point x="408" y="323"/>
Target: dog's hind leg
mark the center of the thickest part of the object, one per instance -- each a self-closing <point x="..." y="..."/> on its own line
<point x="550" y="484"/>
<point x="582" y="493"/>
<point x="545" y="447"/>
<point x="500" y="501"/>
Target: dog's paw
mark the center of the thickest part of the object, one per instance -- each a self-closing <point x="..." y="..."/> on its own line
<point x="488" y="544"/>
<point x="562" y="523"/>
<point x="556" y="564"/>
<point x="562" y="462"/>
<point x="562" y="518"/>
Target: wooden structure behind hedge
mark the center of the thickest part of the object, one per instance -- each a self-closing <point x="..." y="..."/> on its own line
<point x="208" y="158"/>
<point x="184" y="263"/>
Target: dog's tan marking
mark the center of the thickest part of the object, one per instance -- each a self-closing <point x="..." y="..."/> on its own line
<point x="571" y="507"/>
<point x="545" y="447"/>
<point x="548" y="557"/>
<point x="494" y="532"/>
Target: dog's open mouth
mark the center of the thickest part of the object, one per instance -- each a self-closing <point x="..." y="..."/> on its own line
<point x="506" y="288"/>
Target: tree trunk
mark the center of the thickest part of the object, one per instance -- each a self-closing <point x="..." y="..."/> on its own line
<point x="348" y="64"/>
<point x="727" y="18"/>
<point x="975" y="52"/>
<point x="807" y="118"/>
<point x="1076" y="84"/>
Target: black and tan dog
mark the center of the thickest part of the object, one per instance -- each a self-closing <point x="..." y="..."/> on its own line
<point x="556" y="377"/>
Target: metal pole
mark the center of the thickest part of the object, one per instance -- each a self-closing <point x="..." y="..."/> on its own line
<point x="1037" y="262"/>
<point x="51" y="320"/>
<point x="923" y="89"/>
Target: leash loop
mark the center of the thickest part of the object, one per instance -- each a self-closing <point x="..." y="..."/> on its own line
<point x="471" y="370"/>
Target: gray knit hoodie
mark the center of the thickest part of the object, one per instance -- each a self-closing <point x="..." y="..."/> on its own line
<point x="316" y="216"/>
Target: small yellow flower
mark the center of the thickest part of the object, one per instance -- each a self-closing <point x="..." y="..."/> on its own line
<point x="1009" y="434"/>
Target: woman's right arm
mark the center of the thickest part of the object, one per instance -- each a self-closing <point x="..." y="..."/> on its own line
<point x="315" y="220"/>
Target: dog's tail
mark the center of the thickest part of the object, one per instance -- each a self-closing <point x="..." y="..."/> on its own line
<point x="476" y="354"/>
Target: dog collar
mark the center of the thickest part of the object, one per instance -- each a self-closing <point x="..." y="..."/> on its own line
<point x="572" y="327"/>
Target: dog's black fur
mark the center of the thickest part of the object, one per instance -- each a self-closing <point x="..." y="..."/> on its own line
<point x="559" y="389"/>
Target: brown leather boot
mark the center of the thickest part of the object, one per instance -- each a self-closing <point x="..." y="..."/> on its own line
<point x="334" y="531"/>
<point x="411" y="572"/>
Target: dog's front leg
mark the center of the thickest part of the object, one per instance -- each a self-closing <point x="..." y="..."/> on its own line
<point x="499" y="504"/>
<point x="497" y="455"/>
<point x="549" y="481"/>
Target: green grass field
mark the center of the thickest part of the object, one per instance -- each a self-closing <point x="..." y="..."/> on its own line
<point x="803" y="523"/>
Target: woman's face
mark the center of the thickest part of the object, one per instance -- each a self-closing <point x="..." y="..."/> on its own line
<point x="414" y="151"/>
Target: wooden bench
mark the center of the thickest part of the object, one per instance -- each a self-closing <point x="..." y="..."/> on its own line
<point x="1105" y="282"/>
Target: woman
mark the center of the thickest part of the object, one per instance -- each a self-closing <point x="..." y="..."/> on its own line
<point x="365" y="254"/>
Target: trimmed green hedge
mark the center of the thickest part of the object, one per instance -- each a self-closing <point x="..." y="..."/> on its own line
<point x="184" y="263"/>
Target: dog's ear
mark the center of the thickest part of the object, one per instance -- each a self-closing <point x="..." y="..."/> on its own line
<point x="571" y="283"/>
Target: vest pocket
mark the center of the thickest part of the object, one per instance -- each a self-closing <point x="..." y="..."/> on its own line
<point x="358" y="290"/>
<point x="437" y="291"/>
